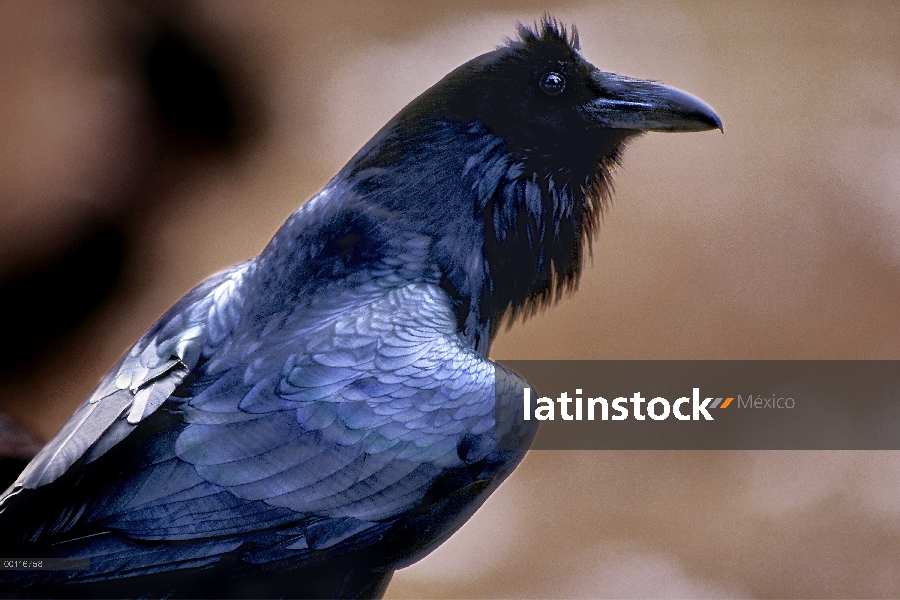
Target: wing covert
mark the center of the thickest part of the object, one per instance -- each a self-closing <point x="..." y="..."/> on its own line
<point x="136" y="386"/>
<point x="371" y="406"/>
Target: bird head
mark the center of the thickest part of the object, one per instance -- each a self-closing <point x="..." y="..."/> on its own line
<point x="510" y="157"/>
<point x="557" y="110"/>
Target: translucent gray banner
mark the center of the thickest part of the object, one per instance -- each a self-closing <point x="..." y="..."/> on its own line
<point x="704" y="405"/>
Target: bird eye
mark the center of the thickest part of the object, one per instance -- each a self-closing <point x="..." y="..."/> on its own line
<point x="553" y="83"/>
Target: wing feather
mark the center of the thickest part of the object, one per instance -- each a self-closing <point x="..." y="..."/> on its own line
<point x="335" y="428"/>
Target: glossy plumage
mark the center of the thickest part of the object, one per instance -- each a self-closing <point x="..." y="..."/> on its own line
<point x="306" y="422"/>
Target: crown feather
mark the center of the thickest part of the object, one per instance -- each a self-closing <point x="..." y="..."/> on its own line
<point x="548" y="29"/>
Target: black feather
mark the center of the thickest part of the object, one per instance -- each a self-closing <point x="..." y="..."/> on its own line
<point x="306" y="422"/>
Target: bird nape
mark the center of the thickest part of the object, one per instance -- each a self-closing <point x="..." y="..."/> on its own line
<point x="306" y="422"/>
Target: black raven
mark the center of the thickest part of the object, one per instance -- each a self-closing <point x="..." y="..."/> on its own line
<point x="306" y="422"/>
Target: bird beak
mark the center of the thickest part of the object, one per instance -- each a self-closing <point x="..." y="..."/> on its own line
<point x="637" y="104"/>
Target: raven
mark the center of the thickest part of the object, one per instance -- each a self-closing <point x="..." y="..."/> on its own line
<point x="306" y="422"/>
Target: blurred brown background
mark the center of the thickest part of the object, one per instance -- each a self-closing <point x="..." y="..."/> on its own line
<point x="146" y="145"/>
